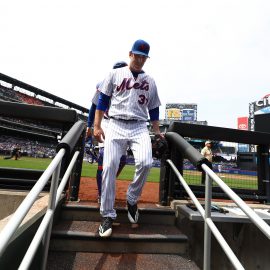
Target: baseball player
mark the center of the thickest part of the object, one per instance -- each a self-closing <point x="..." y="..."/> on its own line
<point x="90" y="150"/>
<point x="131" y="95"/>
<point x="105" y="122"/>
<point x="16" y="152"/>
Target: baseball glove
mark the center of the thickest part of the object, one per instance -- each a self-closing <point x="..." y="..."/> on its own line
<point x="159" y="146"/>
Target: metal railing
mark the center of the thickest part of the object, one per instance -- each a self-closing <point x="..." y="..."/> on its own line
<point x="259" y="190"/>
<point x="46" y="224"/>
<point x="209" y="225"/>
<point x="44" y="231"/>
<point x="65" y="148"/>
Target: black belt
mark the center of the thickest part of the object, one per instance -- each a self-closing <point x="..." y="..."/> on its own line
<point x="127" y="120"/>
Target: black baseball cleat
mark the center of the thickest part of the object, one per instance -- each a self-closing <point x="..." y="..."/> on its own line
<point x="133" y="213"/>
<point x="105" y="228"/>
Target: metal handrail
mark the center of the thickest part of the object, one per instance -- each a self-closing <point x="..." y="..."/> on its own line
<point x="18" y="216"/>
<point x="44" y="230"/>
<point x="258" y="221"/>
<point x="26" y="262"/>
<point x="206" y="214"/>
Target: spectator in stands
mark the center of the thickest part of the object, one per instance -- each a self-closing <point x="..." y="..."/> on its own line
<point x="207" y="153"/>
<point x="28" y="147"/>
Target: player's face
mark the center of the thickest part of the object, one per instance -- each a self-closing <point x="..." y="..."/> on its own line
<point x="137" y="61"/>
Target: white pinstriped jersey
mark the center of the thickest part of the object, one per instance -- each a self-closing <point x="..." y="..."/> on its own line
<point x="95" y="98"/>
<point x="130" y="98"/>
<point x="95" y="101"/>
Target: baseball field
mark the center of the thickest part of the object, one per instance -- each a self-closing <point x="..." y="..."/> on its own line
<point x="89" y="170"/>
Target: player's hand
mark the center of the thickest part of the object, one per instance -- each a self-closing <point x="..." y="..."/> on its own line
<point x="99" y="134"/>
<point x="160" y="135"/>
<point x="88" y="133"/>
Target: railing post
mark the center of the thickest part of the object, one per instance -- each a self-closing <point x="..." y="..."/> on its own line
<point x="174" y="185"/>
<point x="51" y="206"/>
<point x="207" y="230"/>
<point x="263" y="171"/>
<point x="76" y="175"/>
<point x="164" y="178"/>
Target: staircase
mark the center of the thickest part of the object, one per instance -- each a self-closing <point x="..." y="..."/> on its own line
<point x="154" y="243"/>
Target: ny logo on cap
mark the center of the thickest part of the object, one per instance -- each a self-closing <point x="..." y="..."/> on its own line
<point x="143" y="47"/>
<point x="140" y="47"/>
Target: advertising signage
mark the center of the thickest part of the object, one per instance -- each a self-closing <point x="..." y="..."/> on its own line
<point x="262" y="106"/>
<point x="181" y="111"/>
<point x="188" y="115"/>
<point x="242" y="123"/>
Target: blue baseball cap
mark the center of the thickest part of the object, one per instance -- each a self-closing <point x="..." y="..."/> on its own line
<point x="119" y="64"/>
<point x="141" y="47"/>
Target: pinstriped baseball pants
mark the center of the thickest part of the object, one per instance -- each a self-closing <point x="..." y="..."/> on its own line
<point x="120" y="135"/>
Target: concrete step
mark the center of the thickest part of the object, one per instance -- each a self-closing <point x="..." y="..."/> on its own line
<point x="114" y="261"/>
<point x="82" y="236"/>
<point x="157" y="215"/>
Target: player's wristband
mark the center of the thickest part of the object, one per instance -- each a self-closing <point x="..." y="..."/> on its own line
<point x="154" y="114"/>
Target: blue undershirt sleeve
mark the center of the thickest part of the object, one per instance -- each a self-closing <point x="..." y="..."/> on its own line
<point x="154" y="114"/>
<point x="103" y="102"/>
<point x="91" y="115"/>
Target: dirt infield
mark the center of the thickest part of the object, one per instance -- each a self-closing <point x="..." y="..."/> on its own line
<point x="88" y="191"/>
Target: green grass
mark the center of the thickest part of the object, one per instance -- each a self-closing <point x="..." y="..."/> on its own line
<point x="89" y="170"/>
<point x="26" y="162"/>
<point x="246" y="182"/>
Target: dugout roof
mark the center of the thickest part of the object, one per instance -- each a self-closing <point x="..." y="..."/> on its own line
<point x="40" y="92"/>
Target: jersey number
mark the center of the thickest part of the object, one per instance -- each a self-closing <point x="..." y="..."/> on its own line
<point x="142" y="99"/>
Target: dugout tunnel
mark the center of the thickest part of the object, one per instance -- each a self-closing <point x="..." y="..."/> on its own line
<point x="72" y="134"/>
<point x="180" y="149"/>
